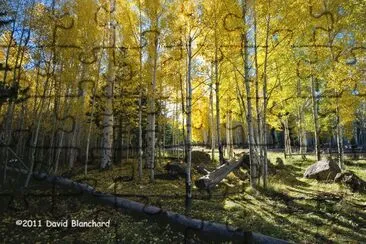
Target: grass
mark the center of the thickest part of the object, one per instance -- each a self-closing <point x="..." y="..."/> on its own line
<point x="291" y="208"/>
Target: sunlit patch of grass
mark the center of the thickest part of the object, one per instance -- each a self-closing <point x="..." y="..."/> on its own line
<point x="291" y="208"/>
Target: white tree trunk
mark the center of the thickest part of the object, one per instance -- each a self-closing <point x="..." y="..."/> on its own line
<point x="140" y="152"/>
<point x="189" y="122"/>
<point x="339" y="137"/>
<point x="252" y="156"/>
<point x="229" y="139"/>
<point x="287" y="138"/>
<point x="212" y="124"/>
<point x="151" y="117"/>
<point x="264" y="119"/>
<point x="107" y="141"/>
<point x="316" y="118"/>
<point x="35" y="136"/>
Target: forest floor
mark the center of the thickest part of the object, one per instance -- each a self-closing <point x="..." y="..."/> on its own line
<point x="291" y="208"/>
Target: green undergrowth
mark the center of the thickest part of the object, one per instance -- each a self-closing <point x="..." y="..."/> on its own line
<point x="291" y="208"/>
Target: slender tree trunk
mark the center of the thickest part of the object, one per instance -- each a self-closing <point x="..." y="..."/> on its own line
<point x="217" y="86"/>
<point x="301" y="133"/>
<point x="128" y="144"/>
<point x="7" y="135"/>
<point x="21" y="126"/>
<point x="227" y="132"/>
<point x="218" y="123"/>
<point x="241" y="106"/>
<point x="140" y="152"/>
<point x="218" y="133"/>
<point x="120" y="139"/>
<point x="189" y="122"/>
<point x="212" y="124"/>
<point x="62" y="136"/>
<point x="34" y="138"/>
<point x="107" y="144"/>
<point x="58" y="152"/>
<point x="184" y="113"/>
<point x="88" y="136"/>
<point x="33" y="152"/>
<point x="79" y="119"/>
<point x="229" y="144"/>
<point x="51" y="155"/>
<point x="315" y="117"/>
<point x="259" y="136"/>
<point x="339" y="136"/>
<point x="231" y="139"/>
<point x="287" y="139"/>
<point x="95" y="88"/>
<point x="175" y="126"/>
<point x="73" y="144"/>
<point x="264" y="119"/>
<point x="151" y="117"/>
<point x="253" y="161"/>
<point x="164" y="137"/>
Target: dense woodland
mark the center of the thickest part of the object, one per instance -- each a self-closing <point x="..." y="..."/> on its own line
<point x="205" y="93"/>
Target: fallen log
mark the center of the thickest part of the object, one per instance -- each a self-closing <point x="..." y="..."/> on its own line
<point x="202" y="170"/>
<point x="213" y="178"/>
<point x="205" y="229"/>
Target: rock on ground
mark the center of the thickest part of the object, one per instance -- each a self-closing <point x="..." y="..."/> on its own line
<point x="322" y="170"/>
<point x="351" y="180"/>
<point x="175" y="169"/>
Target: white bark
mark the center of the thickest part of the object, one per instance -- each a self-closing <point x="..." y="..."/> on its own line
<point x="95" y="88"/>
<point x="264" y="119"/>
<point x="339" y="137"/>
<point x="107" y="141"/>
<point x="287" y="138"/>
<point x="212" y="124"/>
<point x="229" y="138"/>
<point x="151" y="117"/>
<point x="35" y="136"/>
<point x="253" y="162"/>
<point x="316" y="118"/>
<point x="217" y="86"/>
<point x="189" y="122"/>
<point x="140" y="152"/>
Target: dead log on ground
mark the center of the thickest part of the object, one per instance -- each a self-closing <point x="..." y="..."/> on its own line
<point x="202" y="169"/>
<point x="213" y="178"/>
<point x="203" y="229"/>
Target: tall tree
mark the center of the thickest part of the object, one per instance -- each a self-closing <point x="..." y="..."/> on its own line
<point x="107" y="142"/>
<point x="252" y="153"/>
<point x="153" y="12"/>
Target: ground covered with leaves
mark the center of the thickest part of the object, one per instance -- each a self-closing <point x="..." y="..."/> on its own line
<point x="292" y="208"/>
